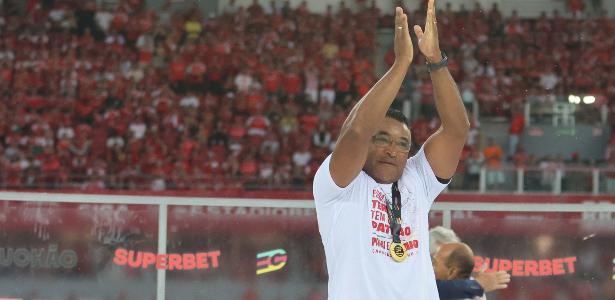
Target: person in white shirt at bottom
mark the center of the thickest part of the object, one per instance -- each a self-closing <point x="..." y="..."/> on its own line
<point x="370" y="177"/>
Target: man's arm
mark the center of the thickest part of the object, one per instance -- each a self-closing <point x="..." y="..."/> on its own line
<point x="459" y="289"/>
<point x="468" y="288"/>
<point x="351" y="148"/>
<point x="492" y="281"/>
<point x="443" y="148"/>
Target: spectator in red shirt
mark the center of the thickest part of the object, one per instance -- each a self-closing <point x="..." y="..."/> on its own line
<point x="515" y="131"/>
<point x="258" y="124"/>
<point x="292" y="82"/>
<point x="271" y="82"/>
<point x="249" y="166"/>
<point x="576" y="7"/>
<point x="520" y="158"/>
<point x="327" y="88"/>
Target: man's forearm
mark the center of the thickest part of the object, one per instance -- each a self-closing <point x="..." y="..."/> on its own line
<point x="371" y="109"/>
<point x="450" y="108"/>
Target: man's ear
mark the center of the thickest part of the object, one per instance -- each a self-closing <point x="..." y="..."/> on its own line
<point x="452" y="273"/>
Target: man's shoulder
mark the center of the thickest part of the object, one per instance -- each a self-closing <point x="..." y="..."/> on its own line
<point x="415" y="161"/>
<point x="324" y="187"/>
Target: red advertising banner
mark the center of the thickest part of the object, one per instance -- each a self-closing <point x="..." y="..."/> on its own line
<point x="106" y="219"/>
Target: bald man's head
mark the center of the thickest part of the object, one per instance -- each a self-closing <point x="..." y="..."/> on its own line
<point x="453" y="261"/>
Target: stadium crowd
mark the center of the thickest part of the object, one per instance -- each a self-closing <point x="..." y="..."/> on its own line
<point x="131" y="98"/>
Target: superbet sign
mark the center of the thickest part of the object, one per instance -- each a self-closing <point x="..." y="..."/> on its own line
<point x="527" y="268"/>
<point x="171" y="261"/>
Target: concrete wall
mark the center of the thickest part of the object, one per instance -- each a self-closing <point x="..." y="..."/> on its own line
<point x="544" y="139"/>
<point x="316" y="6"/>
<point x="587" y="140"/>
<point x="609" y="5"/>
<point x="525" y="8"/>
<point x="528" y="8"/>
<point x="209" y="7"/>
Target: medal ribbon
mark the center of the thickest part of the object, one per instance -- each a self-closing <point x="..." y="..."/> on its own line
<point x="394" y="212"/>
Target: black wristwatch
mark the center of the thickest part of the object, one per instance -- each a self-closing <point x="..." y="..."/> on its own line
<point x="435" y="66"/>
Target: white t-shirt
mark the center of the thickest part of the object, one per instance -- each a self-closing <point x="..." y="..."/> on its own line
<point x="138" y="130"/>
<point x="353" y="225"/>
<point x="302" y="158"/>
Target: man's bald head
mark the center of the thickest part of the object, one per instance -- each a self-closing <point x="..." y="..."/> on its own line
<point x="453" y="261"/>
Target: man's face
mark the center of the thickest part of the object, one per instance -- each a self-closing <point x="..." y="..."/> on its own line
<point x="445" y="270"/>
<point x="439" y="260"/>
<point x="388" y="151"/>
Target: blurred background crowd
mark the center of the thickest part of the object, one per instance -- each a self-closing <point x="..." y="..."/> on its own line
<point x="125" y="96"/>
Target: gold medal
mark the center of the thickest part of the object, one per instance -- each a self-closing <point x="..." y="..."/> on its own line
<point x="398" y="252"/>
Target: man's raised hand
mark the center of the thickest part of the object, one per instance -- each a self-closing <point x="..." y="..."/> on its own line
<point x="428" y="39"/>
<point x="492" y="281"/>
<point x="404" y="51"/>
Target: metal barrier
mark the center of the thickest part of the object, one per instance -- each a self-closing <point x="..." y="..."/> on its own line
<point x="509" y="179"/>
<point x="567" y="180"/>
